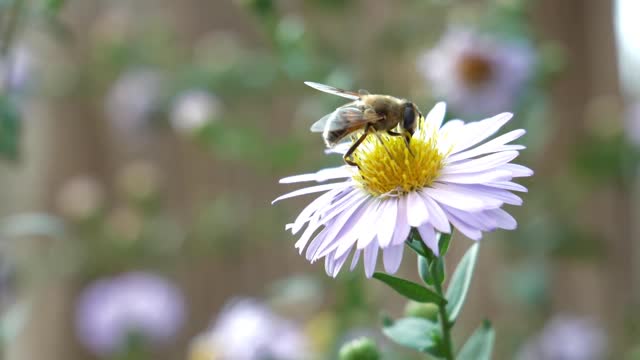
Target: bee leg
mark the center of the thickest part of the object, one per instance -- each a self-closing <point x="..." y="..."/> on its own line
<point x="347" y="155"/>
<point x="407" y="139"/>
<point x="383" y="145"/>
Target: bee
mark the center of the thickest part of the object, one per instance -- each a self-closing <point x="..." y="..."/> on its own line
<point x="368" y="112"/>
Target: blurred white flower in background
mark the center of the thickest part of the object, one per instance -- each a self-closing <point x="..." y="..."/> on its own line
<point x="566" y="337"/>
<point x="111" y="311"/>
<point x="80" y="198"/>
<point x="194" y="109"/>
<point x="133" y="98"/>
<point x="477" y="74"/>
<point x="248" y="330"/>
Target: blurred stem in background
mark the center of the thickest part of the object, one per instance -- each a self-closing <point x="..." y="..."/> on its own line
<point x="10" y="21"/>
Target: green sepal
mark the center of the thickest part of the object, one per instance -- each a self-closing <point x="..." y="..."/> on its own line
<point x="423" y="270"/>
<point x="419" y="247"/>
<point x="410" y="289"/>
<point x="444" y="241"/>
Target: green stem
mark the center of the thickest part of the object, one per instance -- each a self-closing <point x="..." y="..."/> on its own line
<point x="446" y="325"/>
<point x="437" y="285"/>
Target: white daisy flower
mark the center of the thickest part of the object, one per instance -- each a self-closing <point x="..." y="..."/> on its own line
<point x="477" y="74"/>
<point x="452" y="178"/>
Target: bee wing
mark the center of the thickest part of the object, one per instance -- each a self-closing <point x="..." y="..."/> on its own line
<point x="319" y="125"/>
<point x="335" y="91"/>
<point x="345" y="117"/>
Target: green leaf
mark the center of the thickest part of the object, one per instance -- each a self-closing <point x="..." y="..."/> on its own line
<point x="480" y="345"/>
<point x="9" y="129"/>
<point x="460" y="281"/>
<point x="415" y="333"/>
<point x="410" y="289"/>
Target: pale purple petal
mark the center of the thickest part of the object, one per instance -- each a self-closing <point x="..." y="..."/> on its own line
<point x="322" y="175"/>
<point x="392" y="257"/>
<point x="338" y="265"/>
<point x="478" y="177"/>
<point x="369" y="229"/>
<point x="417" y="212"/>
<point x="517" y="170"/>
<point x="437" y="216"/>
<point x="311" y="190"/>
<point x="388" y="222"/>
<point x="502" y="218"/>
<point x="370" y="258"/>
<point x="478" y="131"/>
<point x="316" y="243"/>
<point x="337" y="207"/>
<point x="353" y="229"/>
<point x="315" y="205"/>
<point x="429" y="237"/>
<point x="477" y="220"/>
<point x="436" y="115"/>
<point x="462" y="226"/>
<point x="402" y="225"/>
<point x="488" y="162"/>
<point x="492" y="197"/>
<point x="506" y="185"/>
<point x="306" y="235"/>
<point x="495" y="145"/>
<point x="336" y="226"/>
<point x="354" y="261"/>
<point x="456" y="200"/>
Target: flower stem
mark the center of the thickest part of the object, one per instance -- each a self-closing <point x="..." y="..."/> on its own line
<point x="446" y="325"/>
<point x="430" y="257"/>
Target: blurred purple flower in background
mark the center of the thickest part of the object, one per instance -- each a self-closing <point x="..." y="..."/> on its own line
<point x="477" y="74"/>
<point x="133" y="98"/>
<point x="566" y="338"/>
<point x="248" y="330"/>
<point x="16" y="69"/>
<point x="111" y="310"/>
<point x="194" y="109"/>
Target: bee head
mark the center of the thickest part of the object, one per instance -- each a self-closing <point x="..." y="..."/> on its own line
<point x="410" y="117"/>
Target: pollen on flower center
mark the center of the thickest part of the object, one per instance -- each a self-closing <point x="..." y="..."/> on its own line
<point x="388" y="167"/>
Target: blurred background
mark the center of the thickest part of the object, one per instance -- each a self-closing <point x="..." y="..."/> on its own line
<point x="142" y="142"/>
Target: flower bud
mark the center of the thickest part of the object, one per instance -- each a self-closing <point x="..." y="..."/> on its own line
<point x="427" y="311"/>
<point x="359" y="349"/>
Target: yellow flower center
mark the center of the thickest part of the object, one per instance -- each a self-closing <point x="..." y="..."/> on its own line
<point x="388" y="168"/>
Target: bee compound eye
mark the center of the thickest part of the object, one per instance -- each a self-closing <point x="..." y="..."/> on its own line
<point x="409" y="118"/>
